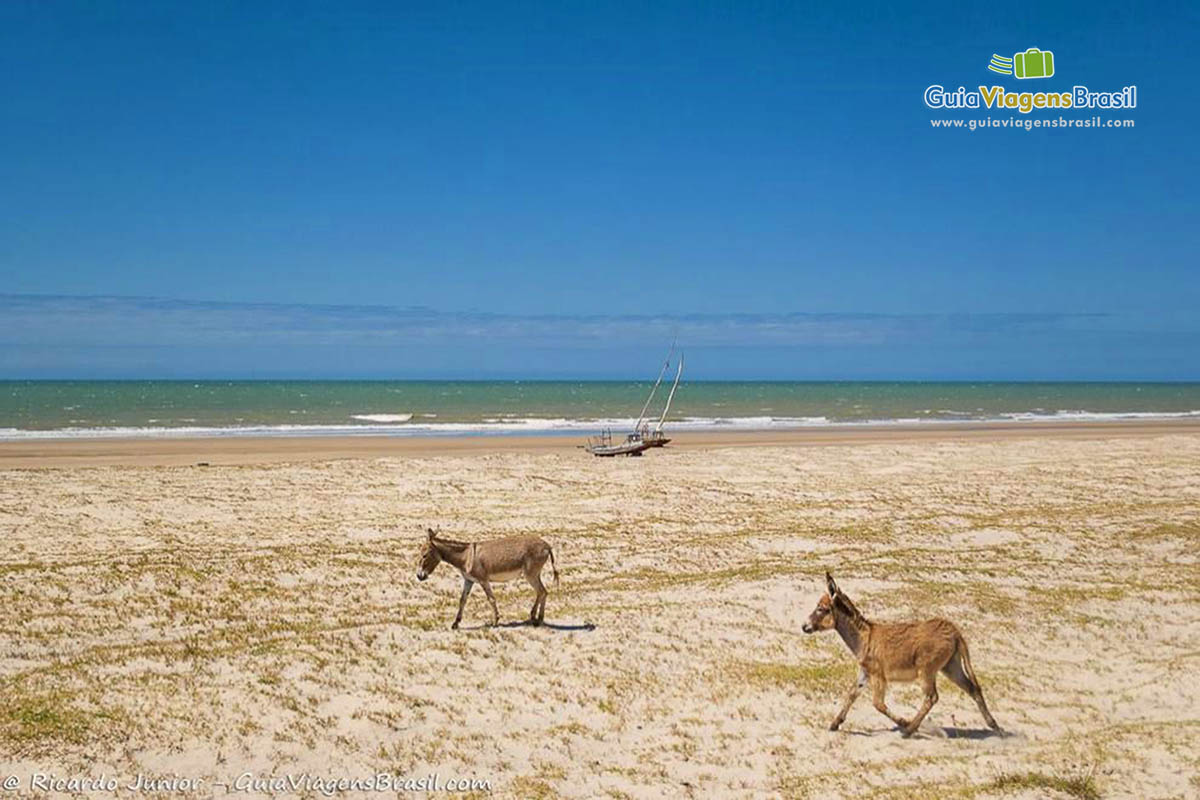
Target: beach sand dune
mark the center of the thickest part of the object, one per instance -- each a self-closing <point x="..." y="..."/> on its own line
<point x="209" y="622"/>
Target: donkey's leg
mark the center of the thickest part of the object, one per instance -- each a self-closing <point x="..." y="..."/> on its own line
<point x="879" y="699"/>
<point x="850" y="698"/>
<point x="487" y="589"/>
<point x="955" y="672"/>
<point x="462" y="601"/>
<point x="929" y="681"/>
<point x="539" y="603"/>
<point x="983" y="709"/>
<point x="532" y="580"/>
<point x="535" y="579"/>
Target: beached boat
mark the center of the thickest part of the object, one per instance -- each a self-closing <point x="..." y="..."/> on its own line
<point x="656" y="437"/>
<point x="642" y="438"/>
<point x="603" y="445"/>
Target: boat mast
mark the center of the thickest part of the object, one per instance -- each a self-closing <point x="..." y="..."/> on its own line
<point x="661" y="372"/>
<point x="671" y="396"/>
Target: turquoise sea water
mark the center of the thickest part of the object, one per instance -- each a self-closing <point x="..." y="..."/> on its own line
<point x="37" y="409"/>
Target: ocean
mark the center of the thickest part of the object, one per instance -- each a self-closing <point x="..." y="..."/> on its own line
<point x="70" y="409"/>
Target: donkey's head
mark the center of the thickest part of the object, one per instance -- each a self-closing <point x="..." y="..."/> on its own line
<point x="430" y="558"/>
<point x="821" y="618"/>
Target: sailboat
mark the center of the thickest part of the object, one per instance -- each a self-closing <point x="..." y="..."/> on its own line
<point x="642" y="438"/>
<point x="656" y="437"/>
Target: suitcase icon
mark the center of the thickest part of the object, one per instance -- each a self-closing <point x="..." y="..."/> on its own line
<point x="1033" y="63"/>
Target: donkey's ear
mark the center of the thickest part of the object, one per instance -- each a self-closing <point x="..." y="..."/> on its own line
<point x="431" y="533"/>
<point x="829" y="583"/>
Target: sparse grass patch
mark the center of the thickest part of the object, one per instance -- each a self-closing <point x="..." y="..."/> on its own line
<point x="428" y="622"/>
<point x="954" y="790"/>
<point x="1184" y="531"/>
<point x="33" y="721"/>
<point x="573" y="728"/>
<point x="819" y="677"/>
<point x="653" y="580"/>
<point x="1080" y="786"/>
<point x="938" y="594"/>
<point x="1068" y="596"/>
<point x="882" y="532"/>
<point x="532" y="788"/>
<point x="852" y="784"/>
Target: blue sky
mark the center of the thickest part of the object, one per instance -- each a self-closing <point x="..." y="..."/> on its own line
<point x="270" y="189"/>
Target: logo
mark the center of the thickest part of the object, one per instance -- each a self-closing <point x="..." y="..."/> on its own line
<point x="1033" y="63"/>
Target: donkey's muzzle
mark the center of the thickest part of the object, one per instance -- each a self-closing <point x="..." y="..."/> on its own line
<point x="807" y="628"/>
<point x="422" y="576"/>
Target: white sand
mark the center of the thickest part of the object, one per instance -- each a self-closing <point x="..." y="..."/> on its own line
<point x="205" y="622"/>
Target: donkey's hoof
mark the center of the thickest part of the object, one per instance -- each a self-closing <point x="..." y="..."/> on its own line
<point x="454" y="626"/>
<point x="833" y="726"/>
<point x="907" y="732"/>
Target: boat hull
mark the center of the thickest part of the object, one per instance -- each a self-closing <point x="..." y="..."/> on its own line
<point x="627" y="449"/>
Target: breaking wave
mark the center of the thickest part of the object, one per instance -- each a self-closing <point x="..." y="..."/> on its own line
<point x="402" y="425"/>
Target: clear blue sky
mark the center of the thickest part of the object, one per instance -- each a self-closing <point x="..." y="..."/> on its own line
<point x="681" y="163"/>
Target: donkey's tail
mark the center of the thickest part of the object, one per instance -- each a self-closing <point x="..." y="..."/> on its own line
<point x="965" y="657"/>
<point x="553" y="566"/>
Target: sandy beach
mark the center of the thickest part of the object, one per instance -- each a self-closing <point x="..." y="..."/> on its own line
<point x="260" y="615"/>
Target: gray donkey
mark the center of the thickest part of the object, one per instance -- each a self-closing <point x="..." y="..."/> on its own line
<point x="487" y="562"/>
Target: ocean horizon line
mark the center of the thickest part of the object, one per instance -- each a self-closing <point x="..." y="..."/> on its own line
<point x="643" y="379"/>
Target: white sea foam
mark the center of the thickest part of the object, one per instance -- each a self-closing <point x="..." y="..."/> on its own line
<point x="389" y="424"/>
<point x="1088" y="416"/>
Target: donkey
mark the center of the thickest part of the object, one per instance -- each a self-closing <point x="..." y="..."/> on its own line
<point x="487" y="562"/>
<point x="897" y="652"/>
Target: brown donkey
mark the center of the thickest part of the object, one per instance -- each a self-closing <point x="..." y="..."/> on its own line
<point x="897" y="652"/>
<point x="488" y="562"/>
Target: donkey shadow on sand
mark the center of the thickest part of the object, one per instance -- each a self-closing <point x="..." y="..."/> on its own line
<point x="499" y="560"/>
<point x="550" y="626"/>
<point x="927" y="731"/>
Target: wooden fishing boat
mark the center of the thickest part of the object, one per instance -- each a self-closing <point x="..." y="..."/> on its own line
<point x="604" y="446"/>
<point x="642" y="438"/>
<point x="656" y="437"/>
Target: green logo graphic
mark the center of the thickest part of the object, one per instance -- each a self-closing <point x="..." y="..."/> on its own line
<point x="1001" y="64"/>
<point x="1033" y="63"/>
